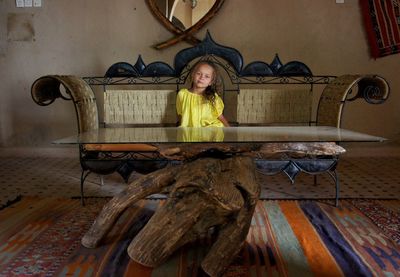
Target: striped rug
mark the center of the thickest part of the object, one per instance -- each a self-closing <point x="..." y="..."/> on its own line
<point x="41" y="237"/>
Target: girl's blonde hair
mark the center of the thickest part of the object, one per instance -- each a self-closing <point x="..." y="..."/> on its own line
<point x="215" y="87"/>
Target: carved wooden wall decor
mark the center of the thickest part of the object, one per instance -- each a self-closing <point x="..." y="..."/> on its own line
<point x="186" y="34"/>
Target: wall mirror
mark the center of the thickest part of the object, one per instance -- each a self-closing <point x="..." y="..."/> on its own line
<point x="183" y="17"/>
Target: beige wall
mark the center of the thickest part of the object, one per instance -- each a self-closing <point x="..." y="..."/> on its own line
<point x="85" y="37"/>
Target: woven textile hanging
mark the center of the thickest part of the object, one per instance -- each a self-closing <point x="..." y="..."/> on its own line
<point x="382" y="23"/>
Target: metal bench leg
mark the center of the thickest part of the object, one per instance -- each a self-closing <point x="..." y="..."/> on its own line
<point x="335" y="178"/>
<point x="83" y="178"/>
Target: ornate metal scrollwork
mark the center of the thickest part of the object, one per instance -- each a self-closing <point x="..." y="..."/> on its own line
<point x="230" y="59"/>
<point x="375" y="93"/>
<point x="46" y="90"/>
<point x="292" y="167"/>
<point x="374" y="89"/>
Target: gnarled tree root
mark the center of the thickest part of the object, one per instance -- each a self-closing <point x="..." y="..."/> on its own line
<point x="204" y="193"/>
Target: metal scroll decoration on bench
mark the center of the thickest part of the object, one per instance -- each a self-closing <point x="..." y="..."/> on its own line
<point x="372" y="88"/>
<point x="48" y="88"/>
<point x="126" y="73"/>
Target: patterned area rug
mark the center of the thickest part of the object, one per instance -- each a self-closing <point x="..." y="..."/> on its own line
<point x="41" y="237"/>
<point x="383" y="214"/>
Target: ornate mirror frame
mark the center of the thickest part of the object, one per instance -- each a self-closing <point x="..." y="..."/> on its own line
<point x="180" y="35"/>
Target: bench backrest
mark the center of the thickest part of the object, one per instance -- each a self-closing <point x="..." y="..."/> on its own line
<point x="140" y="107"/>
<point x="246" y="97"/>
<point x="254" y="107"/>
<point x="274" y="106"/>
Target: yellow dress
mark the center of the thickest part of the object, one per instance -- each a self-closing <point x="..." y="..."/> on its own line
<point x="195" y="111"/>
<point x="199" y="134"/>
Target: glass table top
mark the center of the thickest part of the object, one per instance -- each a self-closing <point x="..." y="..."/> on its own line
<point x="227" y="135"/>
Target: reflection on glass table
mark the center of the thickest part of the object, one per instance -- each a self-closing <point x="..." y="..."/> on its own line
<point x="226" y="135"/>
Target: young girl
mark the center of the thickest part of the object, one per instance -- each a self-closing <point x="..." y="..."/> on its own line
<point x="201" y="106"/>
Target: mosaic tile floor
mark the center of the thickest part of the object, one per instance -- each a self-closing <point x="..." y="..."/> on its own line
<point x="365" y="172"/>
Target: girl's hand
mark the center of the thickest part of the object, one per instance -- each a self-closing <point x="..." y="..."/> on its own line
<point x="223" y="120"/>
<point x="178" y="122"/>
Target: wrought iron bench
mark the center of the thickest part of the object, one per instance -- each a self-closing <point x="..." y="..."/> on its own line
<point x="262" y="94"/>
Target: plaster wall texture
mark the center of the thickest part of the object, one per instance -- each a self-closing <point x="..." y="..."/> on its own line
<point x="84" y="38"/>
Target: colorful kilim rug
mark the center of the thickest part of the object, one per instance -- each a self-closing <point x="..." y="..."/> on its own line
<point x="41" y="237"/>
<point x="382" y="24"/>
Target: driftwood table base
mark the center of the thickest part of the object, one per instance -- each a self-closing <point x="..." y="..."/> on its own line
<point x="203" y="194"/>
<point x="218" y="192"/>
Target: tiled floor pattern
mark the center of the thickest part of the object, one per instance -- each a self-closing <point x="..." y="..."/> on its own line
<point x="57" y="173"/>
<point x="359" y="177"/>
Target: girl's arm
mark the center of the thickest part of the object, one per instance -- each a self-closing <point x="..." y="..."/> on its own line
<point x="223" y="120"/>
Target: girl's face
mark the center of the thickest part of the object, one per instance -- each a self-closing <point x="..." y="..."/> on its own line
<point x="203" y="76"/>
